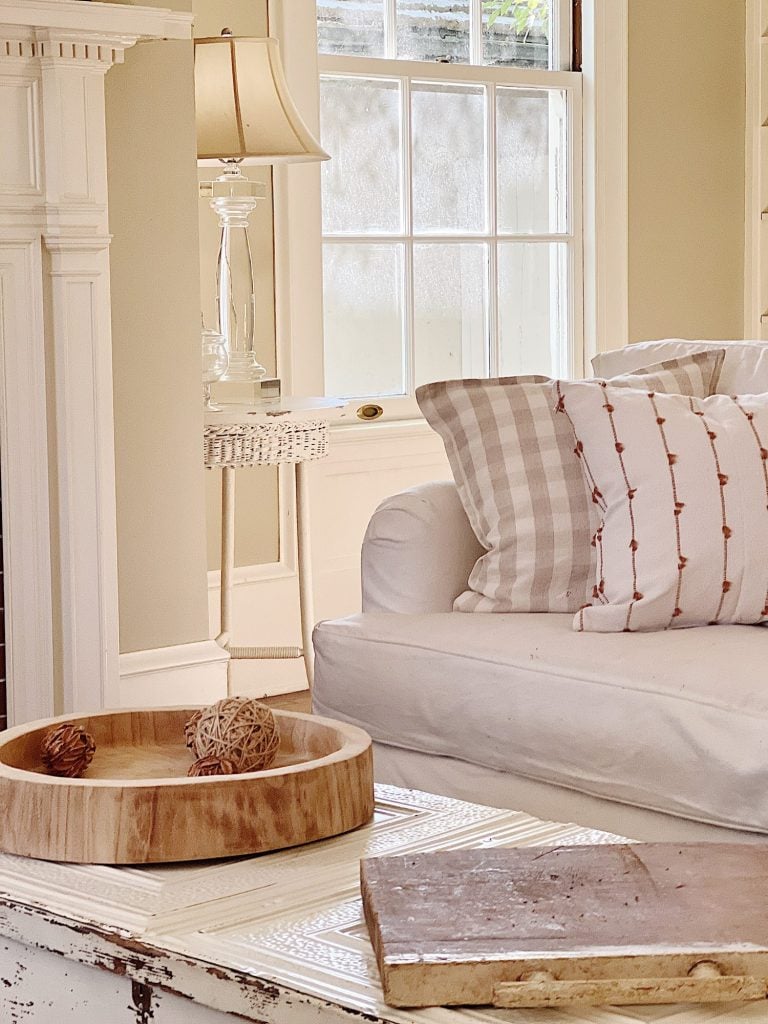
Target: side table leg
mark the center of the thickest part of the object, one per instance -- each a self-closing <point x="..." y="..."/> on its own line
<point x="227" y="562"/>
<point x="306" y="603"/>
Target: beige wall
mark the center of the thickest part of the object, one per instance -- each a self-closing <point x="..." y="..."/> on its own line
<point x="686" y="168"/>
<point x="156" y="346"/>
<point x="686" y="156"/>
<point x="162" y="258"/>
<point x="256" y="527"/>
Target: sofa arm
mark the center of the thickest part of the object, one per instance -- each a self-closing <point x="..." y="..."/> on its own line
<point x="418" y="552"/>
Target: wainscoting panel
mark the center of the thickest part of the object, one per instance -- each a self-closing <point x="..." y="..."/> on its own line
<point x="20" y="163"/>
<point x="362" y="470"/>
<point x="366" y="464"/>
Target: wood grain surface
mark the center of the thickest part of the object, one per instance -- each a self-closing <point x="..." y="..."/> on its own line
<point x="136" y="805"/>
<point x="533" y="927"/>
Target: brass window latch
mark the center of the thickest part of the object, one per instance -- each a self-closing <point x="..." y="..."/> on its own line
<point x="370" y="411"/>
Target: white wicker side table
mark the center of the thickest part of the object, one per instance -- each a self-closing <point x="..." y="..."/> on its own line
<point x="272" y="432"/>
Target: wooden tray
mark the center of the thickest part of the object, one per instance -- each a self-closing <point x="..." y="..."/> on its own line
<point x="553" y="926"/>
<point x="135" y="804"/>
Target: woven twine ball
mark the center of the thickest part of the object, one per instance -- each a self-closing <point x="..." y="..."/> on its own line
<point x="211" y="766"/>
<point x="67" y="750"/>
<point x="239" y="729"/>
<point x="190" y="729"/>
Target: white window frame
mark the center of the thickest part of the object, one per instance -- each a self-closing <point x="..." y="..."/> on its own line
<point x="407" y="72"/>
<point x="569" y="83"/>
<point x="298" y="262"/>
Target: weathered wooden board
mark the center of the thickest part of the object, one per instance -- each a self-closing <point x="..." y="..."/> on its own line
<point x="632" y="923"/>
<point x="135" y="804"/>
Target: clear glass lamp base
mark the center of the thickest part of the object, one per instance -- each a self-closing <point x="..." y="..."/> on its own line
<point x="208" y="402"/>
<point x="244" y="368"/>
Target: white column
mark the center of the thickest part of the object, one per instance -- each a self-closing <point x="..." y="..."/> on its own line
<point x="56" y="422"/>
<point x="75" y="233"/>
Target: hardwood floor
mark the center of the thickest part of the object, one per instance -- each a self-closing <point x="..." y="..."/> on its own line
<point x="298" y="701"/>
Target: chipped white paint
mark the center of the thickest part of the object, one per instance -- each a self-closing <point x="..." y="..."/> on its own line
<point x="277" y="939"/>
<point x="42" y="988"/>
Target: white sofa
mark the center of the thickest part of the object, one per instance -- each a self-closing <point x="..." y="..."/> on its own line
<point x="656" y="736"/>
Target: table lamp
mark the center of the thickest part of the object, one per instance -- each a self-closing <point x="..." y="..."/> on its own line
<point x="243" y="112"/>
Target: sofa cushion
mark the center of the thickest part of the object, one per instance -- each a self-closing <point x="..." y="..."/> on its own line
<point x="682" y="487"/>
<point x="744" y="370"/>
<point x="674" y="721"/>
<point x="521" y="484"/>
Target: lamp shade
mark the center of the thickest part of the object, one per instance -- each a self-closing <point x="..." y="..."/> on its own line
<point x="243" y="107"/>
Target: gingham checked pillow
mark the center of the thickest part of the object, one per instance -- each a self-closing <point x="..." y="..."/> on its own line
<point x="521" y="484"/>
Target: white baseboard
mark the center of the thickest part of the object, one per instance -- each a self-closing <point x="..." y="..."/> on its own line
<point x="166" y="676"/>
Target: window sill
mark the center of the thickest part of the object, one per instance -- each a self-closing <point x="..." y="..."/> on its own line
<point x="351" y="432"/>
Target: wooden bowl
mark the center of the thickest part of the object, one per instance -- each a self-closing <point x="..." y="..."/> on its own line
<point x="135" y="804"/>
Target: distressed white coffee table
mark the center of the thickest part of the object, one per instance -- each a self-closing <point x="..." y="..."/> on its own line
<point x="277" y="939"/>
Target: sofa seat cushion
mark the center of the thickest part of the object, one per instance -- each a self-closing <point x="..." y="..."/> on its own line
<point x="675" y="721"/>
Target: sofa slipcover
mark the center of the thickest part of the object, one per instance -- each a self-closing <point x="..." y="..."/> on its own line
<point x="586" y="727"/>
<point x="675" y="722"/>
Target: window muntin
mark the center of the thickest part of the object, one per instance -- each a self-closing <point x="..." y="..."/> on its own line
<point x="450" y="222"/>
<point x="512" y="33"/>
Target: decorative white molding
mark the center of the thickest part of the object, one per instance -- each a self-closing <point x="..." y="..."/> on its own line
<point x="193" y="673"/>
<point x="605" y="61"/>
<point x="56" y="421"/>
<point x="58" y="47"/>
<point x="20" y="164"/>
<point x="92" y="19"/>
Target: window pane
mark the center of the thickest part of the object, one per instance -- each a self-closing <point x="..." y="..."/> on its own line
<point x="433" y="30"/>
<point x="531" y="161"/>
<point x="360" y="128"/>
<point x="448" y="128"/>
<point x="363" y="301"/>
<point x="450" y="299"/>
<point x="516" y="32"/>
<point x="351" y="26"/>
<point x="532" y="308"/>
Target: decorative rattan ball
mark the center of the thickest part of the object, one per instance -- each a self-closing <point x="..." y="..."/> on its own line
<point x="211" y="766"/>
<point x="67" y="750"/>
<point x="241" y="730"/>
<point x="190" y="730"/>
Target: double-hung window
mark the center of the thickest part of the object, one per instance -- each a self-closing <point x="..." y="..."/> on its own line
<point x="452" y="202"/>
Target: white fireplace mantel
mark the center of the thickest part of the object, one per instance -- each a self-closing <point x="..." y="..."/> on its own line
<point x="56" y="420"/>
<point x="85" y="18"/>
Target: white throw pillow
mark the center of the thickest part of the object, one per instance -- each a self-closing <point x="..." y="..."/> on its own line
<point x="521" y="485"/>
<point x="744" y="370"/>
<point x="682" y="484"/>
